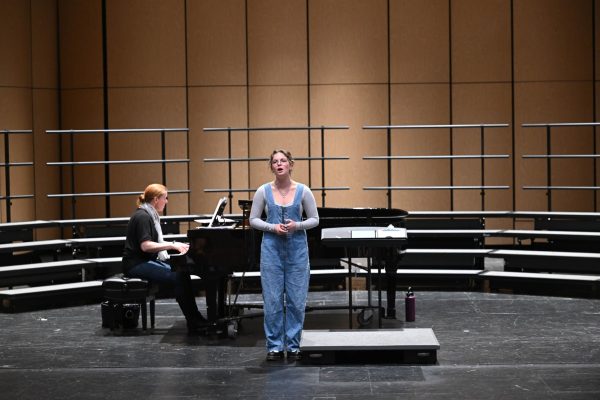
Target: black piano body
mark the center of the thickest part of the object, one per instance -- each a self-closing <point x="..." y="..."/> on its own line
<point x="216" y="252"/>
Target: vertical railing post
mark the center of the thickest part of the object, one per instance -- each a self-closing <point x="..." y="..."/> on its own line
<point x="482" y="152"/>
<point x="389" y="167"/>
<point x="549" y="167"/>
<point x="163" y="152"/>
<point x="229" y="171"/>
<point x="323" y="194"/>
<point x="107" y="173"/>
<point x="72" y="156"/>
<point x="7" y="173"/>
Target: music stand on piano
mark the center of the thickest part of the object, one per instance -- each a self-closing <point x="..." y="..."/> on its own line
<point x="217" y="218"/>
<point x="370" y="242"/>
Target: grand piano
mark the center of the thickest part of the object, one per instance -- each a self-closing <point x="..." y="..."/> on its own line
<point x="219" y="250"/>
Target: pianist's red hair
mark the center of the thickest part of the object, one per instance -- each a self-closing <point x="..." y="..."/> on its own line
<point x="151" y="192"/>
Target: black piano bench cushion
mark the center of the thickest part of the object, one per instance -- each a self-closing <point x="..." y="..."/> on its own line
<point x="119" y="289"/>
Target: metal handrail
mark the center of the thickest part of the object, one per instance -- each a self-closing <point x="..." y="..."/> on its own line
<point x="389" y="157"/>
<point x="132" y="130"/>
<point x="271" y="128"/>
<point x="264" y="159"/>
<point x="65" y="163"/>
<point x="549" y="156"/>
<point x="447" y="126"/>
<point x="106" y="162"/>
<point x="103" y="194"/>
<point x="449" y="187"/>
<point x="230" y="159"/>
<point x="441" y="157"/>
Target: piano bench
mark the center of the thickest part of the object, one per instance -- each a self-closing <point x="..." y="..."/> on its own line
<point x="131" y="291"/>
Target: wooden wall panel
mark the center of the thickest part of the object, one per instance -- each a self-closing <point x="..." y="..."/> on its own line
<point x="355" y="106"/>
<point x="15" y="43"/>
<point x="481" y="41"/>
<point x="216" y="42"/>
<point x="596" y="34"/>
<point x="549" y="102"/>
<point x="419" y="51"/>
<point x="284" y="106"/>
<point x="44" y="44"/>
<point x="277" y="41"/>
<point x="596" y="150"/>
<point x="82" y="109"/>
<point x="148" y="108"/>
<point x="488" y="103"/>
<point x="216" y="107"/>
<point x="15" y="114"/>
<point x="15" y="108"/>
<point x="47" y="149"/>
<point x="80" y="44"/>
<point x="265" y="62"/>
<point x="21" y="179"/>
<point x="81" y="104"/>
<point x="45" y="111"/>
<point x="420" y="105"/>
<point x="553" y="40"/>
<point x="348" y="41"/>
<point x="146" y="43"/>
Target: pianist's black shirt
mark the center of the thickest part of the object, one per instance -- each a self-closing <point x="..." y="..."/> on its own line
<point x="139" y="229"/>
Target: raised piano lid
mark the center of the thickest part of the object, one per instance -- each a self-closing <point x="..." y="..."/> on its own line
<point x="332" y="216"/>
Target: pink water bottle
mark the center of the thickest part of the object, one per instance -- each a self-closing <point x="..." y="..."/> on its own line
<point x="409" y="305"/>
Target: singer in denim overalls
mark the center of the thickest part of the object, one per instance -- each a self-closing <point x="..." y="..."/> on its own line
<point x="284" y="261"/>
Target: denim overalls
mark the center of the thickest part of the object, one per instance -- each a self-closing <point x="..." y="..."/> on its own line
<point x="284" y="268"/>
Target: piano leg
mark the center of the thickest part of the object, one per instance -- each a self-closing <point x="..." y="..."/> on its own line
<point x="392" y="259"/>
<point x="391" y="276"/>
<point x="215" y="287"/>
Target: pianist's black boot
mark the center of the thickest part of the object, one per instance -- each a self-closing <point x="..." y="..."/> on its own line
<point x="196" y="323"/>
<point x="187" y="302"/>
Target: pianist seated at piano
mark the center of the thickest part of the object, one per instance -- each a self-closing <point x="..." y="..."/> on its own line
<point x="145" y="254"/>
<point x="284" y="261"/>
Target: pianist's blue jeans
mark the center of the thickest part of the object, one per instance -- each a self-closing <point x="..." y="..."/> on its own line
<point x="158" y="272"/>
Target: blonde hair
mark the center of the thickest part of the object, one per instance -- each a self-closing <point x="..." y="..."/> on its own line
<point x="151" y="192"/>
<point x="287" y="155"/>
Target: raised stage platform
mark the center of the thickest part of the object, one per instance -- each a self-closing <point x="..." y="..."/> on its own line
<point x="412" y="346"/>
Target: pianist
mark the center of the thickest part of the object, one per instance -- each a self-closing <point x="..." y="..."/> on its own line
<point x="145" y="254"/>
<point x="284" y="262"/>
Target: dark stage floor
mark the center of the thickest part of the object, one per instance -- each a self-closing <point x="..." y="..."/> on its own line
<point x="493" y="346"/>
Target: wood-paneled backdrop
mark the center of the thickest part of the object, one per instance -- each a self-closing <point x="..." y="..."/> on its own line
<point x="71" y="64"/>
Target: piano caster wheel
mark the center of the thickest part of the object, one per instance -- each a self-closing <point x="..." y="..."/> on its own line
<point x="232" y="329"/>
<point x="365" y="317"/>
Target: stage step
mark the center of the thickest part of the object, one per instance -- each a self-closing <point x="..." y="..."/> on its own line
<point x="390" y="346"/>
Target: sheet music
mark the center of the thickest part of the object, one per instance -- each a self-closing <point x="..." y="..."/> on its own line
<point x="391" y="232"/>
<point x="362" y="234"/>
